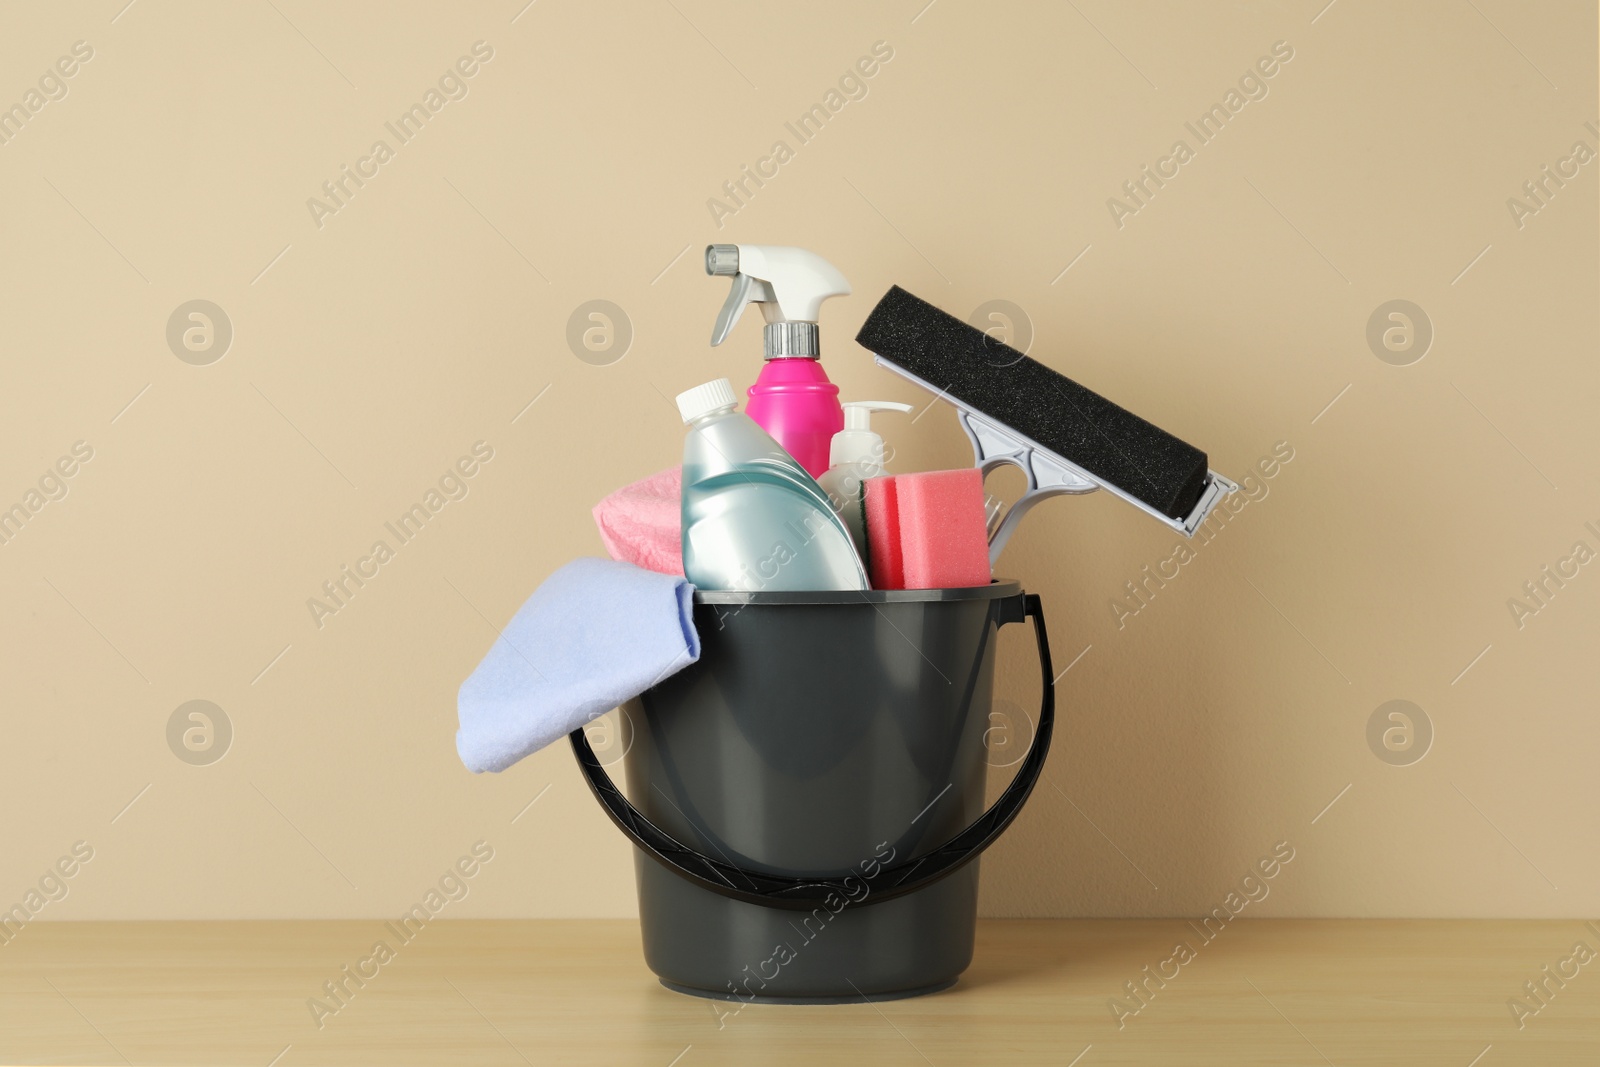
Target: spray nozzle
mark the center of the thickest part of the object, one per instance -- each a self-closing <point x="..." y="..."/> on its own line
<point x="857" y="443"/>
<point x="790" y="284"/>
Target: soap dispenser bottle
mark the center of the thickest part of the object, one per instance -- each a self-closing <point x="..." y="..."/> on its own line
<point x="792" y="400"/>
<point x="856" y="454"/>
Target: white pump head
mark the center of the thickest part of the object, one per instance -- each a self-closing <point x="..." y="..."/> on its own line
<point x="857" y="443"/>
<point x="790" y="284"/>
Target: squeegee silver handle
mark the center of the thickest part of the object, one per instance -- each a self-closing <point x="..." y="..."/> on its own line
<point x="1049" y="474"/>
<point x="993" y="447"/>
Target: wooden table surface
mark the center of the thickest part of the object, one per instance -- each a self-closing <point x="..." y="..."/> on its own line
<point x="1264" y="992"/>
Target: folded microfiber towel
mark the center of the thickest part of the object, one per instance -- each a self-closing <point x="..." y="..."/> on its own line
<point x="595" y="634"/>
<point x="643" y="523"/>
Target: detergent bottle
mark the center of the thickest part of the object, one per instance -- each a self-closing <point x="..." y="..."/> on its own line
<point x="753" y="520"/>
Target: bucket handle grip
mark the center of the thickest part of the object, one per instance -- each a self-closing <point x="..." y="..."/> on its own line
<point x="804" y="894"/>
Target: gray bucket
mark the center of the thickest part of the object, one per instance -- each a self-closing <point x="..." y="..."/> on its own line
<point x="808" y="797"/>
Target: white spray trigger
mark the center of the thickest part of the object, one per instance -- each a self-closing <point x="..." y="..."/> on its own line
<point x="790" y="284"/>
<point x="746" y="290"/>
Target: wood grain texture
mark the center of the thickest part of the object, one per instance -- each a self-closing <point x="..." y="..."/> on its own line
<point x="1263" y="992"/>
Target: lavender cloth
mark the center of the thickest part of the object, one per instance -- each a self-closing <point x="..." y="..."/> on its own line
<point x="595" y="634"/>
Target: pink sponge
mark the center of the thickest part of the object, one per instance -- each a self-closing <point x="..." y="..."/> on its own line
<point x="883" y="534"/>
<point x="928" y="530"/>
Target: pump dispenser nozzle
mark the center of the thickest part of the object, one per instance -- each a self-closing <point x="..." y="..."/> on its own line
<point x="857" y="443"/>
<point x="790" y="284"/>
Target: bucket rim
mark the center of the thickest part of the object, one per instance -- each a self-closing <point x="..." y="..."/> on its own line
<point x="995" y="590"/>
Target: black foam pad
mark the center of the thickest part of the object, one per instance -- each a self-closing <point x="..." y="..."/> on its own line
<point x="993" y="379"/>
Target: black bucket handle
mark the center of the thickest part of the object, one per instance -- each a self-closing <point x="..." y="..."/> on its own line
<point x="804" y="894"/>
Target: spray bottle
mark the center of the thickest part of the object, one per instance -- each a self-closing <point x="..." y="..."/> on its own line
<point x="792" y="399"/>
<point x="857" y="453"/>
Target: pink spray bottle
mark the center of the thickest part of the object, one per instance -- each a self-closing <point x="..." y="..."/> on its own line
<point x="792" y="399"/>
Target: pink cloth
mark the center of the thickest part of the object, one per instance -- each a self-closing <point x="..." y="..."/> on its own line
<point x="642" y="523"/>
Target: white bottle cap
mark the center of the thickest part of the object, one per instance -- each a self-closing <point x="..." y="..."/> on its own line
<point x="704" y="399"/>
<point x="857" y="443"/>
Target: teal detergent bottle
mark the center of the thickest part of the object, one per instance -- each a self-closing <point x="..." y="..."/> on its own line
<point x="753" y="519"/>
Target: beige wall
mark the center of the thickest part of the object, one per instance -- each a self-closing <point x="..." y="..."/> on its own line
<point x="374" y="346"/>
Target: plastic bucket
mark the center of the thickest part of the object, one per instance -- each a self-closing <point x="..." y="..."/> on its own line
<point x="808" y="797"/>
